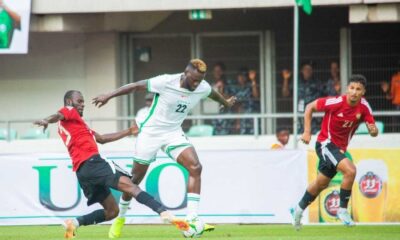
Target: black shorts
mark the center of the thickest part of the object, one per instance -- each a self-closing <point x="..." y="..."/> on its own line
<point x="329" y="157"/>
<point x="96" y="176"/>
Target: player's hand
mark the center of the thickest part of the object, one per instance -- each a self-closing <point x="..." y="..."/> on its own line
<point x="42" y="123"/>
<point x="134" y="128"/>
<point x="231" y="101"/>
<point x="286" y="74"/>
<point x="306" y="138"/>
<point x="372" y="129"/>
<point x="100" y="100"/>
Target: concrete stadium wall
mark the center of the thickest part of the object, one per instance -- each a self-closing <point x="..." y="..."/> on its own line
<point x="33" y="85"/>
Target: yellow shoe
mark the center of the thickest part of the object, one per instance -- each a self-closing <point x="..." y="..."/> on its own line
<point x="116" y="227"/>
<point x="69" y="229"/>
<point x="208" y="228"/>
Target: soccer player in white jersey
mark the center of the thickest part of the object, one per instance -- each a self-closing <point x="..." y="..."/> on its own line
<point x="175" y="95"/>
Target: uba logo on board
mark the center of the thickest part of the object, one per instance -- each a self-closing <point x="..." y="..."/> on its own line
<point x="157" y="184"/>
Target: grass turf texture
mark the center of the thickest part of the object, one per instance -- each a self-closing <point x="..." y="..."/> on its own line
<point x="222" y="232"/>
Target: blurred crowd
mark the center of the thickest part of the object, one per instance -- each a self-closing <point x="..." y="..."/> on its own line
<point x="245" y="86"/>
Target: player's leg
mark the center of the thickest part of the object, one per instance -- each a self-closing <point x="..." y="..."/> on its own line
<point x="94" y="191"/>
<point x="145" y="151"/>
<point x="180" y="149"/>
<point x="349" y="173"/>
<point x="125" y="185"/>
<point x="95" y="194"/>
<point x="190" y="161"/>
<point x="312" y="191"/>
<point x="138" y="172"/>
<point x="327" y="170"/>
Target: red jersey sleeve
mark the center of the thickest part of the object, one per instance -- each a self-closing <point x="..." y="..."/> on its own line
<point x="368" y="117"/>
<point x="69" y="113"/>
<point x="328" y="103"/>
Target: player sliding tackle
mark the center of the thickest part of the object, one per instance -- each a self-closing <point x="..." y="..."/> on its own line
<point x="96" y="175"/>
<point x="342" y="116"/>
<point x="175" y="96"/>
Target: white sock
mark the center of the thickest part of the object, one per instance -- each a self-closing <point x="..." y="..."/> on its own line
<point x="123" y="207"/>
<point x="299" y="209"/>
<point x="193" y="200"/>
<point x="75" y="222"/>
<point x="342" y="209"/>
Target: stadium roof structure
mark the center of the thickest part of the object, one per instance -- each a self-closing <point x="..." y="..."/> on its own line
<point x="102" y="6"/>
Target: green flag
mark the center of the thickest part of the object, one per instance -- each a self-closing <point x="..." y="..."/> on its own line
<point x="306" y="4"/>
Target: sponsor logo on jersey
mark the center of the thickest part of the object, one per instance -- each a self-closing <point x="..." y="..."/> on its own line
<point x="332" y="203"/>
<point x="370" y="185"/>
<point x="340" y="115"/>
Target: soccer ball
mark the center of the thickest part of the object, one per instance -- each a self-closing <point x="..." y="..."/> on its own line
<point x="196" y="228"/>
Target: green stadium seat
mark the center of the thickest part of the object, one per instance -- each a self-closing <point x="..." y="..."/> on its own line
<point x="6" y="135"/>
<point x="200" y="131"/>
<point x="362" y="129"/>
<point x="36" y="133"/>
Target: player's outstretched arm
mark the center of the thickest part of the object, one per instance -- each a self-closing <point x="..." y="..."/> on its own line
<point x="372" y="129"/>
<point x="50" y="119"/>
<point x="111" y="137"/>
<point x="311" y="107"/>
<point x="102" y="99"/>
<point x="227" y="103"/>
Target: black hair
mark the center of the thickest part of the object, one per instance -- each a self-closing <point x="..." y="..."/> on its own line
<point x="358" y="78"/>
<point x="281" y="129"/>
<point x="221" y="65"/>
<point x="307" y="62"/>
<point x="68" y="95"/>
<point x="244" y="71"/>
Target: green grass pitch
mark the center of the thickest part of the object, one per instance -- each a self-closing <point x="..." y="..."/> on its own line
<point x="222" y="232"/>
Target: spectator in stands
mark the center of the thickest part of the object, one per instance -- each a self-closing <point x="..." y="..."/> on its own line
<point x="309" y="90"/>
<point x="282" y="137"/>
<point x="221" y="126"/>
<point x="333" y="84"/>
<point x="247" y="93"/>
<point x="384" y="98"/>
<point x="395" y="88"/>
<point x="395" y="95"/>
<point x="142" y="113"/>
<point x="219" y="77"/>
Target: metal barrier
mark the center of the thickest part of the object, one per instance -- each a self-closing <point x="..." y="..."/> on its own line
<point x="199" y="118"/>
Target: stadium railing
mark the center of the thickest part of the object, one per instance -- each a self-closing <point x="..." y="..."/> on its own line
<point x="199" y="119"/>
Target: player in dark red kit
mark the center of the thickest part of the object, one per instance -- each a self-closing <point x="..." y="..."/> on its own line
<point x="342" y="116"/>
<point x="96" y="175"/>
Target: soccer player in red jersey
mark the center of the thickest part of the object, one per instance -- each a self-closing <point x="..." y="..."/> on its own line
<point x="96" y="175"/>
<point x="342" y="116"/>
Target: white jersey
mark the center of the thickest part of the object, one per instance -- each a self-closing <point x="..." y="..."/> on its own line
<point x="171" y="103"/>
<point x="141" y="115"/>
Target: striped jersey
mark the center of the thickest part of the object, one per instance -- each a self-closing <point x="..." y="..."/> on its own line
<point x="171" y="103"/>
<point x="341" y="120"/>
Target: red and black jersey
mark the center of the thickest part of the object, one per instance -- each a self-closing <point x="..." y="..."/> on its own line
<point x="341" y="120"/>
<point x="77" y="137"/>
